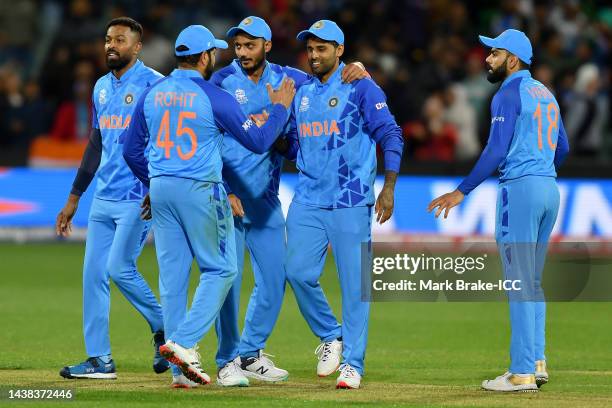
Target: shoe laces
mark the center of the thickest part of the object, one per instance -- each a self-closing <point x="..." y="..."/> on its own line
<point x="264" y="357"/>
<point x="347" y="370"/>
<point x="324" y="350"/>
<point x="196" y="363"/>
<point x="230" y="368"/>
<point x="93" y="361"/>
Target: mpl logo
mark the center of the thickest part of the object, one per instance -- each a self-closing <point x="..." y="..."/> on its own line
<point x="241" y="97"/>
<point x="247" y="125"/>
<point x="497" y="119"/>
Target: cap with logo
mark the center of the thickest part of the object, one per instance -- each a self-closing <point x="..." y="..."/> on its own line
<point x="513" y="41"/>
<point x="252" y="25"/>
<point x="324" y="29"/>
<point x="197" y="39"/>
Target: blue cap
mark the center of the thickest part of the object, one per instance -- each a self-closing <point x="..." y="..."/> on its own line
<point x="252" y="25"/>
<point x="513" y="41"/>
<point x="324" y="29"/>
<point x="197" y="39"/>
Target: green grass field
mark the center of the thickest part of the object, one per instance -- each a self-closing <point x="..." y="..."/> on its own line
<point x="419" y="354"/>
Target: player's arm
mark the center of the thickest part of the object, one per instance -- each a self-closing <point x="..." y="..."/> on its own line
<point x="505" y="110"/>
<point x="288" y="144"/>
<point x="136" y="139"/>
<point x="230" y="118"/>
<point x="381" y="125"/>
<point x="562" y="145"/>
<point x="85" y="174"/>
<point x="350" y="73"/>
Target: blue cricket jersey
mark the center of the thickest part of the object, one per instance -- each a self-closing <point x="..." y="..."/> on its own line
<point x="181" y="120"/>
<point x="114" y="101"/>
<point x="248" y="174"/>
<point x="333" y="135"/>
<point x="527" y="137"/>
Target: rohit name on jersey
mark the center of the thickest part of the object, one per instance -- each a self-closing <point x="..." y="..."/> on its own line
<point x="316" y="128"/>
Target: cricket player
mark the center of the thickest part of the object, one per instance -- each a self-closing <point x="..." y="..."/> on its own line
<point x="115" y="232"/>
<point x="527" y="141"/>
<point x="181" y="120"/>
<point x="334" y="131"/>
<point x="253" y="180"/>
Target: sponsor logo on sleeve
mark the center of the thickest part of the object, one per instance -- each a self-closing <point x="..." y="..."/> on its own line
<point x="497" y="119"/>
<point x="381" y="105"/>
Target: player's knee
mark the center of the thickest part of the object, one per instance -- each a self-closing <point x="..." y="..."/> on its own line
<point x="120" y="268"/>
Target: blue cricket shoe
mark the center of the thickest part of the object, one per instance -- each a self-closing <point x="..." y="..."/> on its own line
<point x="160" y="364"/>
<point x="93" y="367"/>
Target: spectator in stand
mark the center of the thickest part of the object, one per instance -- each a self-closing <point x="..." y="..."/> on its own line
<point x="72" y="121"/>
<point x="586" y="117"/>
<point x="460" y="114"/>
<point x="431" y="138"/>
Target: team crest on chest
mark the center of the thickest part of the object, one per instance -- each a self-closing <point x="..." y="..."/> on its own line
<point x="129" y="98"/>
<point x="241" y="97"/>
<point x="102" y="97"/>
<point x="333" y="102"/>
<point x="304" y="104"/>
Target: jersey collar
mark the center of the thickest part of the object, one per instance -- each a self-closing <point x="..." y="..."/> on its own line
<point x="127" y="74"/>
<point x="333" y="78"/>
<point x="523" y="73"/>
<point x="185" y="73"/>
<point x="264" y="75"/>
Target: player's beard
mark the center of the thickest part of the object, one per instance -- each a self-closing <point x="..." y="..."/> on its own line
<point x="208" y="71"/>
<point x="324" y="66"/>
<point x="498" y="74"/>
<point x="257" y="62"/>
<point x="118" y="63"/>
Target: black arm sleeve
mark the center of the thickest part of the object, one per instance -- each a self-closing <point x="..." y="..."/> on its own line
<point x="89" y="163"/>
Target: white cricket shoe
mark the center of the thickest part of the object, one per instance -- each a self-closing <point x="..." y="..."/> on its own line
<point x="188" y="360"/>
<point x="541" y="375"/>
<point x="180" y="381"/>
<point x="329" y="355"/>
<point x="509" y="382"/>
<point x="231" y="376"/>
<point x="261" y="368"/>
<point x="349" y="378"/>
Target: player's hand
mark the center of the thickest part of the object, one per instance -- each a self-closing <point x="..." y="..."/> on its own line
<point x="236" y="204"/>
<point x="145" y="214"/>
<point x="353" y="72"/>
<point x="284" y="94"/>
<point x="384" y="205"/>
<point x="63" y="222"/>
<point x="445" y="202"/>
<point x="260" y="120"/>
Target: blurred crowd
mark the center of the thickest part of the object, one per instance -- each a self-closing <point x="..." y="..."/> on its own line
<point x="424" y="54"/>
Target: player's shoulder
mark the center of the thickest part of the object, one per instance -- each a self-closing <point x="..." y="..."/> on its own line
<point x="215" y="94"/>
<point x="298" y="76"/>
<point x="148" y="76"/>
<point x="221" y="75"/>
<point x="509" y="93"/>
<point x="365" y="85"/>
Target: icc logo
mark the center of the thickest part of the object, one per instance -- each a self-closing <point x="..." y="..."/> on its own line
<point x="102" y="97"/>
<point x="333" y="102"/>
<point x="129" y="98"/>
<point x="241" y="97"/>
<point x="304" y="104"/>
